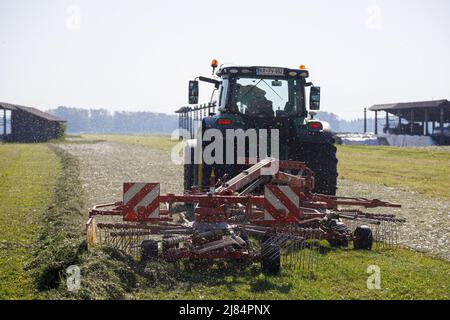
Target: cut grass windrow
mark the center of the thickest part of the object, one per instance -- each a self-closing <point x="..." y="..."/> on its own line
<point x="60" y="242"/>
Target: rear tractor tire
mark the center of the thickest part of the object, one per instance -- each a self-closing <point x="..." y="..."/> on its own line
<point x="321" y="159"/>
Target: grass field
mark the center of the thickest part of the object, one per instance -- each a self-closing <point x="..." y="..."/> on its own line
<point x="27" y="178"/>
<point x="424" y="170"/>
<point x="30" y="172"/>
<point x="342" y="274"/>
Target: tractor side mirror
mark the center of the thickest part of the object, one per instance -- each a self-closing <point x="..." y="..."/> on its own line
<point x="193" y="92"/>
<point x="314" y="98"/>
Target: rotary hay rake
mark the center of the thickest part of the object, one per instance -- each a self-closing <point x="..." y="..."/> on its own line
<point x="287" y="218"/>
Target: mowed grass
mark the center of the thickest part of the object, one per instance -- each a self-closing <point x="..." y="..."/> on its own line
<point x="27" y="177"/>
<point x="426" y="170"/>
<point x="160" y="142"/>
<point x="342" y="274"/>
<point x="28" y="174"/>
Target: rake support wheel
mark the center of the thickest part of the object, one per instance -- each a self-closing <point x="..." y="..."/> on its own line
<point x="363" y="238"/>
<point x="270" y="262"/>
<point x="149" y="250"/>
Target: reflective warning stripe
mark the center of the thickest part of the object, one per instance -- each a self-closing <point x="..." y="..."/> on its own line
<point x="275" y="204"/>
<point x="148" y="199"/>
<point x="280" y="198"/>
<point x="141" y="200"/>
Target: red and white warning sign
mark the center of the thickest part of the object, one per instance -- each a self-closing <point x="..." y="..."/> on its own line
<point x="141" y="201"/>
<point x="281" y="202"/>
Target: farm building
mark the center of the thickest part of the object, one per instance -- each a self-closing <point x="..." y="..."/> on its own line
<point x="425" y="118"/>
<point x="26" y="124"/>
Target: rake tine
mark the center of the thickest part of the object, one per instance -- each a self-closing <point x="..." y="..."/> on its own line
<point x="295" y="254"/>
<point x="311" y="244"/>
<point x="318" y="249"/>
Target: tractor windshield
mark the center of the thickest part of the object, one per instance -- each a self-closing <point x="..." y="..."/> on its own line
<point x="265" y="97"/>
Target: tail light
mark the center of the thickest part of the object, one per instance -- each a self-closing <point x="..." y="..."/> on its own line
<point x="224" y="122"/>
<point x="315" y="125"/>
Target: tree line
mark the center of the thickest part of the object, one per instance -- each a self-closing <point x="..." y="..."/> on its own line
<point x="81" y="120"/>
<point x="103" y="121"/>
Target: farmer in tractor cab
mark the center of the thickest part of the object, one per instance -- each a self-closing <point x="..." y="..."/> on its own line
<point x="257" y="104"/>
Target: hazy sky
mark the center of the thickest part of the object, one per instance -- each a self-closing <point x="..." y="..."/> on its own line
<point x="139" y="55"/>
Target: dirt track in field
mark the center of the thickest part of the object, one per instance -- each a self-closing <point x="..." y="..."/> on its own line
<point x="106" y="165"/>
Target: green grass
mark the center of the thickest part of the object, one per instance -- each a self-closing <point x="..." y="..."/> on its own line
<point x="342" y="274"/>
<point x="161" y="142"/>
<point x="424" y="170"/>
<point x="27" y="177"/>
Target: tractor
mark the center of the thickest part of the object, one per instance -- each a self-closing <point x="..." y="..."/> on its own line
<point x="264" y="98"/>
<point x="228" y="204"/>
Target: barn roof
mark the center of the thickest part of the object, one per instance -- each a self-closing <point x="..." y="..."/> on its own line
<point x="33" y="111"/>
<point x="409" y="105"/>
<point x="423" y="110"/>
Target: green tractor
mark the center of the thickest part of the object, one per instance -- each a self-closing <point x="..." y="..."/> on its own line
<point x="262" y="98"/>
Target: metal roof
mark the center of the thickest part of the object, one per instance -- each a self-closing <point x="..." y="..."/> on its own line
<point x="33" y="111"/>
<point x="410" y="105"/>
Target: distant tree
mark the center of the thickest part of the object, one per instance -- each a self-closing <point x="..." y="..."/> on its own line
<point x="102" y="121"/>
<point x="77" y="119"/>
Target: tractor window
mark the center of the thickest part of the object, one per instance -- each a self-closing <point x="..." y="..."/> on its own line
<point x="263" y="97"/>
<point x="223" y="91"/>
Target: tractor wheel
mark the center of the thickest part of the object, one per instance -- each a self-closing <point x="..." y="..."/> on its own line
<point x="364" y="238"/>
<point x="321" y="159"/>
<point x="149" y="250"/>
<point x="270" y="263"/>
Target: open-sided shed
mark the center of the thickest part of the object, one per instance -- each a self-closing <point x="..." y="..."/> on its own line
<point x="27" y="124"/>
<point x="416" y="118"/>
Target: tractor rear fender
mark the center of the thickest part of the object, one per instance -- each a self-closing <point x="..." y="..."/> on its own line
<point x="208" y="123"/>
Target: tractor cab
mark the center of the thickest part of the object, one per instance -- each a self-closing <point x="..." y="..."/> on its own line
<point x="260" y="92"/>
